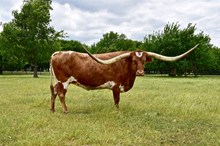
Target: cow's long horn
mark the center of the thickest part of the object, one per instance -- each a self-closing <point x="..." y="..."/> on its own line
<point x="166" y="58"/>
<point x="109" y="61"/>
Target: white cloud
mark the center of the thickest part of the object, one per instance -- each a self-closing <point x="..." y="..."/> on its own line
<point x="80" y="24"/>
<point x="87" y="21"/>
<point x="6" y="8"/>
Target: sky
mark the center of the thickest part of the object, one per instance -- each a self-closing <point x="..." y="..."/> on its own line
<point x="87" y="20"/>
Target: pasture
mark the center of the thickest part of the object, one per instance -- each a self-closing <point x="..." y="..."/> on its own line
<point x="156" y="111"/>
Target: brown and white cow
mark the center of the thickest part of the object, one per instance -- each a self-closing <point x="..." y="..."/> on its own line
<point x="115" y="71"/>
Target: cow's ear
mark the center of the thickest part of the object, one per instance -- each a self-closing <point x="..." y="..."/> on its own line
<point x="149" y="59"/>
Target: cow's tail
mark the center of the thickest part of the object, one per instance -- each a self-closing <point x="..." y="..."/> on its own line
<point x="51" y="80"/>
<point x="51" y="74"/>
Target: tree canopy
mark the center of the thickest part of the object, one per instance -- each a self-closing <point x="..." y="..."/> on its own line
<point x="173" y="41"/>
<point x="113" y="41"/>
<point x="28" y="39"/>
<point x="29" y="36"/>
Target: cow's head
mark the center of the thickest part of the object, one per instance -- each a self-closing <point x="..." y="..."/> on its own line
<point x="139" y="58"/>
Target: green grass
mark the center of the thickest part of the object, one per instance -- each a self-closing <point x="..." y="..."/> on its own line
<point x="156" y="111"/>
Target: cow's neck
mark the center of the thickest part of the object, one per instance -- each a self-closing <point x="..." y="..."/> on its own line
<point x="130" y="78"/>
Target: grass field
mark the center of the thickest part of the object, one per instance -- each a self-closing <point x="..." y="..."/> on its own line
<point x="156" y="111"/>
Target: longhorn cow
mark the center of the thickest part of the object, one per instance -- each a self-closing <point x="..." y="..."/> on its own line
<point x="115" y="71"/>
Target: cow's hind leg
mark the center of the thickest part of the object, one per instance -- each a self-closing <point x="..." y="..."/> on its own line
<point x="62" y="100"/>
<point x="116" y="94"/>
<point x="53" y="97"/>
<point x="61" y="93"/>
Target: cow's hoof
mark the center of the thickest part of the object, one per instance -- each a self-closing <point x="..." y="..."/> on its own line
<point x="116" y="107"/>
<point x="65" y="112"/>
<point x="52" y="110"/>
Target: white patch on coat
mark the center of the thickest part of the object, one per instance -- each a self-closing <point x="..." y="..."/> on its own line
<point x="121" y="88"/>
<point x="68" y="52"/>
<point x="66" y="84"/>
<point x="107" y="85"/>
<point x="139" y="54"/>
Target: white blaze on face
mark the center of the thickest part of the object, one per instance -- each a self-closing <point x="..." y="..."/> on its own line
<point x="139" y="54"/>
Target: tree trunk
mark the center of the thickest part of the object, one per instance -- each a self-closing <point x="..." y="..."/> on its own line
<point x="172" y="72"/>
<point x="1" y="70"/>
<point x="35" y="71"/>
<point x="195" y="71"/>
<point x="185" y="73"/>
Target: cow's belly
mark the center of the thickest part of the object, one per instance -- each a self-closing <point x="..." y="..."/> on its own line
<point x="106" y="85"/>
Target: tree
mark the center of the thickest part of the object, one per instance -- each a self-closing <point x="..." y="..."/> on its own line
<point x="173" y="41"/>
<point x="1" y="56"/>
<point x="29" y="33"/>
<point x="72" y="45"/>
<point x="216" y="52"/>
<point x="113" y="41"/>
<point x="11" y="58"/>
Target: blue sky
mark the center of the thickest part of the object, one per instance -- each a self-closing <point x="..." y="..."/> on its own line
<point x="88" y="20"/>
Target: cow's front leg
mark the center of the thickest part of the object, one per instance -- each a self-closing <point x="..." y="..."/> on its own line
<point x="116" y="94"/>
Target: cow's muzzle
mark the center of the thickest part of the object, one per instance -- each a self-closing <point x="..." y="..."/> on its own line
<point x="140" y="73"/>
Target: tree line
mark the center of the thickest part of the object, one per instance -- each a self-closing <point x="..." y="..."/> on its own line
<point x="28" y="40"/>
